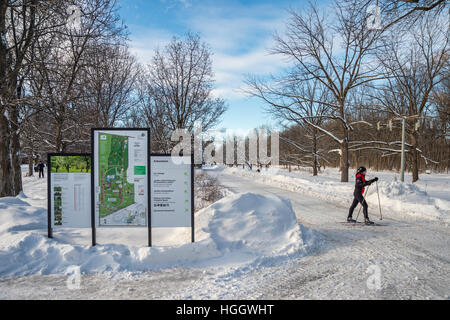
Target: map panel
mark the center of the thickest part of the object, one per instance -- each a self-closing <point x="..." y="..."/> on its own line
<point x="121" y="177"/>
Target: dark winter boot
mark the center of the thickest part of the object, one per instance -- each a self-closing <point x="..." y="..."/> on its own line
<point x="350" y="219"/>
<point x="367" y="221"/>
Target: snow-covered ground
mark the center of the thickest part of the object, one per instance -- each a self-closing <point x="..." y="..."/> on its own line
<point x="429" y="198"/>
<point x="238" y="231"/>
<point x="249" y="246"/>
<point x="411" y="257"/>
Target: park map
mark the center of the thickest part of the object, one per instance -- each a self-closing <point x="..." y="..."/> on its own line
<point x="116" y="192"/>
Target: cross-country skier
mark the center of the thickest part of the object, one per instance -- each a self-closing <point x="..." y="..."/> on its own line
<point x="359" y="195"/>
<point x="41" y="167"/>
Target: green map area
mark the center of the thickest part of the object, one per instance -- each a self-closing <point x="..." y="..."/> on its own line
<point x="115" y="191"/>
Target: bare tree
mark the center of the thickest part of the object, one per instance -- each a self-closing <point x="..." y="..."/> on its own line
<point x="62" y="57"/>
<point x="152" y="113"/>
<point x="414" y="62"/>
<point x="407" y="12"/>
<point x="298" y="101"/>
<point x="109" y="85"/>
<point x="21" y="22"/>
<point x="333" y="49"/>
<point x="440" y="98"/>
<point x="177" y="91"/>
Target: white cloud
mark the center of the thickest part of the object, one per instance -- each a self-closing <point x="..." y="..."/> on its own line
<point x="231" y="70"/>
<point x="146" y="41"/>
<point x="239" y="36"/>
<point x="172" y="3"/>
<point x="240" y="39"/>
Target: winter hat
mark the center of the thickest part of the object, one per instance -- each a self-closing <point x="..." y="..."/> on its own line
<point x="361" y="169"/>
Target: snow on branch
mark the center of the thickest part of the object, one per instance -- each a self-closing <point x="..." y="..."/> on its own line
<point x="336" y="150"/>
<point x="339" y="141"/>
<point x="428" y="159"/>
<point x="361" y="121"/>
<point x="375" y="148"/>
<point x="393" y="152"/>
<point x="363" y="143"/>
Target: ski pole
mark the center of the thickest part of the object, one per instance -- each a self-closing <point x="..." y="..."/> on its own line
<point x="379" y="205"/>
<point x="364" y="199"/>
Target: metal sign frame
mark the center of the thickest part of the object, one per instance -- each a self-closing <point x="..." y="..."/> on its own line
<point x="93" y="159"/>
<point x="192" y="191"/>
<point x="49" y="193"/>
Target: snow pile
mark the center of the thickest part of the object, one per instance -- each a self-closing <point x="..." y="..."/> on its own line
<point x="236" y="230"/>
<point x="254" y="224"/>
<point x="14" y="209"/>
<point x="409" y="199"/>
<point x="396" y="198"/>
<point x="33" y="253"/>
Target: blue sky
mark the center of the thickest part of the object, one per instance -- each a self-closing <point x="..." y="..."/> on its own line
<point x="239" y="33"/>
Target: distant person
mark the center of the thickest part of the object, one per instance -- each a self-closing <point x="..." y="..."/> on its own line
<point x="41" y="167"/>
<point x="359" y="195"/>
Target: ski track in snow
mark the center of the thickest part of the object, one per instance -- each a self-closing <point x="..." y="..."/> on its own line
<point x="413" y="257"/>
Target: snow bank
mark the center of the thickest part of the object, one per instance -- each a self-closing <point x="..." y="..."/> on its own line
<point x="253" y="223"/>
<point x="410" y="199"/>
<point x="238" y="229"/>
<point x="396" y="198"/>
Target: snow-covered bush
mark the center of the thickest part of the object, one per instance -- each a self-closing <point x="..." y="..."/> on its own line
<point x="207" y="190"/>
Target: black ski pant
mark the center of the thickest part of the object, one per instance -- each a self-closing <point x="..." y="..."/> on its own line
<point x="358" y="198"/>
<point x="41" y="172"/>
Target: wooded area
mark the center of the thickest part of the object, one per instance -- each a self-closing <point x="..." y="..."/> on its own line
<point x="66" y="66"/>
<point x="350" y="83"/>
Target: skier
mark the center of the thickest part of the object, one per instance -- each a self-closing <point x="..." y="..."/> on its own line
<point x="359" y="195"/>
<point x="41" y="167"/>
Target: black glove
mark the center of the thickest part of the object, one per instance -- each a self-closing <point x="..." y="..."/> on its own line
<point x="375" y="179"/>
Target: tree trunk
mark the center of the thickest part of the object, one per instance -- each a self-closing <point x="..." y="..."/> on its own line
<point x="30" y="162"/>
<point x="5" y="163"/>
<point x="314" y="153"/>
<point x="15" y="152"/>
<point x="6" y="187"/>
<point x="58" y="142"/>
<point x="344" y="161"/>
<point x="415" y="157"/>
<point x="415" y="166"/>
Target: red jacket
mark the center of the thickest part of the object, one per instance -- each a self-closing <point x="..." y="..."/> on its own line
<point x="360" y="183"/>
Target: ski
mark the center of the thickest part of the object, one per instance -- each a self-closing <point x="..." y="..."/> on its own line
<point x="359" y="223"/>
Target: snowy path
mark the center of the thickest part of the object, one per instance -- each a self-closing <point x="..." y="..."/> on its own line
<point x="413" y="257"/>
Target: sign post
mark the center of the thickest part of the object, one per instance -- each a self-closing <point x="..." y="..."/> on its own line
<point x="49" y="200"/>
<point x="192" y="201"/>
<point x="120" y="178"/>
<point x="68" y="189"/>
<point x="120" y="185"/>
<point x="172" y="191"/>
